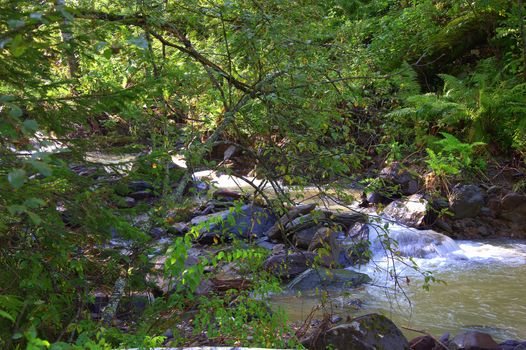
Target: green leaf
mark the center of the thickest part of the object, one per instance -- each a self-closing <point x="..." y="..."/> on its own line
<point x="17" y="178"/>
<point x="15" y="23"/>
<point x="41" y="167"/>
<point x="6" y="98"/>
<point x="34" y="218"/>
<point x="30" y="125"/>
<point x="18" y="46"/>
<point x="6" y="315"/>
<point x="16" y="209"/>
<point x="34" y="202"/>
<point x="15" y="112"/>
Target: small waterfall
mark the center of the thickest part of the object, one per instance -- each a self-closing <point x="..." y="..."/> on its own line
<point x="414" y="243"/>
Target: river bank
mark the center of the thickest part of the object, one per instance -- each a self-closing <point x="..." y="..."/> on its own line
<point x="470" y="267"/>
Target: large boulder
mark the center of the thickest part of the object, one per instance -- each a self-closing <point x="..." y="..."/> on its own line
<point x="248" y="221"/>
<point x="513" y="345"/>
<point x="413" y="211"/>
<point x="326" y="278"/>
<point x="473" y="341"/>
<point x="285" y="266"/>
<point x="394" y="181"/>
<point x="405" y="182"/>
<point x="424" y="342"/>
<point x="368" y="332"/>
<point x="139" y="185"/>
<point x="303" y="238"/>
<point x="275" y="231"/>
<point x="513" y="208"/>
<point x="466" y="201"/>
<point x="327" y="244"/>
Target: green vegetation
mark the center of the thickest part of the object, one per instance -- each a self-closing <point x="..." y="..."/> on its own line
<point x="309" y="92"/>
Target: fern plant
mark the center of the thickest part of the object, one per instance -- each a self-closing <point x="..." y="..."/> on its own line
<point x="453" y="155"/>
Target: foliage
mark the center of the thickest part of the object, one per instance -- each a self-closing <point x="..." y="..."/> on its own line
<point x="310" y="92"/>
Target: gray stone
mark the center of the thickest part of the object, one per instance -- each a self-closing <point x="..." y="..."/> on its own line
<point x="466" y="201"/>
<point x="248" y="221"/>
<point x="302" y="239"/>
<point x="275" y="231"/>
<point x="320" y="277"/>
<point x="157" y="232"/>
<point x="368" y="332"/>
<point x="408" y="183"/>
<point x="179" y="228"/>
<point x="141" y="195"/>
<point x="474" y="341"/>
<point x="286" y="266"/>
<point x="411" y="211"/>
<point x="227" y="195"/>
<point x="264" y="242"/>
<point x="127" y="202"/>
<point x="513" y="200"/>
<point x="139" y="185"/>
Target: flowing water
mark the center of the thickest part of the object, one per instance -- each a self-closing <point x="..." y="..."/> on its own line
<point x="484" y="285"/>
<point x="485" y="281"/>
<point x="484" y="290"/>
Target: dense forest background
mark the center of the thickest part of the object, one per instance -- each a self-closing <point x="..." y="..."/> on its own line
<point x="307" y="92"/>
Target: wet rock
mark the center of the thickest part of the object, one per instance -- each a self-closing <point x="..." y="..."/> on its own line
<point x="358" y="251"/>
<point x="139" y="185"/>
<point x="346" y="220"/>
<point x="320" y="277"/>
<point x="264" y="242"/>
<point x="127" y="202"/>
<point x="141" y="195"/>
<point x="248" y="221"/>
<point x="393" y="181"/>
<point x="513" y="345"/>
<point x="287" y="266"/>
<point x="326" y="243"/>
<point x="368" y="332"/>
<point x="513" y="208"/>
<point x="157" y="232"/>
<point x="424" y="342"/>
<point x="375" y="198"/>
<point x="275" y="231"/>
<point x="227" y="195"/>
<point x="179" y="228"/>
<point x="474" y="341"/>
<point x="512" y="201"/>
<point x="302" y="239"/>
<point x="412" y="211"/>
<point x="466" y="201"/>
<point x="323" y="237"/>
<point x="406" y="182"/>
<point x="200" y="186"/>
<point x="336" y="319"/>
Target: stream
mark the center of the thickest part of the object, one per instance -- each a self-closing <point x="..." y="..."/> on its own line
<point x="484" y="286"/>
<point x="484" y="292"/>
<point x="483" y="289"/>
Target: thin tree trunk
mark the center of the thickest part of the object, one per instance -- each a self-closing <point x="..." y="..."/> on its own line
<point x="67" y="38"/>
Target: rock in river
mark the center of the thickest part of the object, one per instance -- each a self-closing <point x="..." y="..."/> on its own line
<point x="474" y="341"/>
<point x="368" y="332"/>
<point x="248" y="221"/>
<point x="412" y="211"/>
<point x="320" y="277"/>
<point x="466" y="201"/>
<point x="285" y="265"/>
